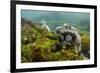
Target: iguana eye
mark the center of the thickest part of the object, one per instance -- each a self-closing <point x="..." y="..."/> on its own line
<point x="68" y="38"/>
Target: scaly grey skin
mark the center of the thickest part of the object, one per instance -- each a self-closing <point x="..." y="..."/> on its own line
<point x="67" y="39"/>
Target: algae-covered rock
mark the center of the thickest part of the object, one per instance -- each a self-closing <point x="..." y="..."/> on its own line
<point x="39" y="45"/>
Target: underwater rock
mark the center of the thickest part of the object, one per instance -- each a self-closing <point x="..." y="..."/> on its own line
<point x="45" y="26"/>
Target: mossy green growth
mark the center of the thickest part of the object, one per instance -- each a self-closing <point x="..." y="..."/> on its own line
<point x="39" y="45"/>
